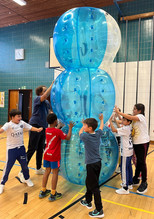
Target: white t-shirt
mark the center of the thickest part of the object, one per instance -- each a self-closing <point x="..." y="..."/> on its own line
<point x="140" y="130"/>
<point x="126" y="141"/>
<point x="15" y="133"/>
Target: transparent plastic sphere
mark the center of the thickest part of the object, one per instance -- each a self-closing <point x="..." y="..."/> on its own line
<point x="113" y="42"/>
<point x="82" y="93"/>
<point x="73" y="166"/>
<point x="80" y="37"/>
<point x="84" y="37"/>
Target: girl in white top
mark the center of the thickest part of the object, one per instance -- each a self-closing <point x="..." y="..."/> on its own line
<point x="140" y="144"/>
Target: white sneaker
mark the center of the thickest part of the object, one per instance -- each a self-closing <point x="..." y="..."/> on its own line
<point x="1" y="188"/>
<point x="21" y="177"/>
<point x="122" y="191"/>
<point x="130" y="186"/>
<point x="29" y="182"/>
<point x="41" y="171"/>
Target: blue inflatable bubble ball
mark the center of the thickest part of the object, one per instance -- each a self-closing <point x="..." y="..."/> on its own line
<point x="73" y="166"/>
<point x="82" y="93"/>
<point x="80" y="37"/>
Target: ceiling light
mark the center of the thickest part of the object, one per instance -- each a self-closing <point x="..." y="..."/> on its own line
<point x="20" y="2"/>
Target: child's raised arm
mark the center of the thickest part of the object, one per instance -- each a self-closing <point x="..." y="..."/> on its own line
<point x="1" y="131"/>
<point x="130" y="117"/>
<point x="81" y="131"/>
<point x="70" y="130"/>
<point x="112" y="126"/>
<point x="101" y="121"/>
<point x="33" y="129"/>
<point x="118" y="122"/>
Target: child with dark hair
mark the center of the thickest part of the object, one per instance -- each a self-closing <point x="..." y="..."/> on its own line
<point x="126" y="149"/>
<point x="15" y="146"/>
<point x="140" y="144"/>
<point x="92" y="141"/>
<point x="52" y="156"/>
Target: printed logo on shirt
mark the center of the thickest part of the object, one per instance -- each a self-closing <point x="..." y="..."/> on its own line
<point x="16" y="134"/>
<point x="136" y="132"/>
<point x="21" y="126"/>
<point x="49" y="154"/>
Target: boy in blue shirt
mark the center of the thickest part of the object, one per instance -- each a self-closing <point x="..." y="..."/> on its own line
<point x="92" y="140"/>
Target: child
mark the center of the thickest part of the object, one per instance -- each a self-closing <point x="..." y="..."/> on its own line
<point x="52" y="156"/>
<point x="92" y="140"/>
<point x="140" y="144"/>
<point x="15" y="146"/>
<point x="126" y="155"/>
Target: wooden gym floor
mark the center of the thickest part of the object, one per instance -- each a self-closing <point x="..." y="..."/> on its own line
<point x="115" y="206"/>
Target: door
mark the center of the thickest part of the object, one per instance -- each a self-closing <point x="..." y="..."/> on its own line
<point x="22" y="100"/>
<point x="25" y="104"/>
<point x="13" y="101"/>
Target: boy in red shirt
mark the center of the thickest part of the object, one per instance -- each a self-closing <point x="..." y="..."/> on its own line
<point x="52" y="156"/>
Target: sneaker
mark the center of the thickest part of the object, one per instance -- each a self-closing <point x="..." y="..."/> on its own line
<point x="122" y="191"/>
<point x="129" y="186"/>
<point x="95" y="213"/>
<point x="142" y="188"/>
<point x="55" y="197"/>
<point x="44" y="194"/>
<point x="1" y="188"/>
<point x="85" y="203"/>
<point x="21" y="177"/>
<point x="41" y="171"/>
<point x="118" y="170"/>
<point x="135" y="181"/>
<point x="29" y="182"/>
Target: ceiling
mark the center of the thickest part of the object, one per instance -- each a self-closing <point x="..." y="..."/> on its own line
<point x="11" y="13"/>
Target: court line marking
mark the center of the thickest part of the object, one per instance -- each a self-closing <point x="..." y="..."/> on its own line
<point x="80" y="193"/>
<point x="74" y="197"/>
<point x="147" y="196"/>
<point x="126" y="206"/>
